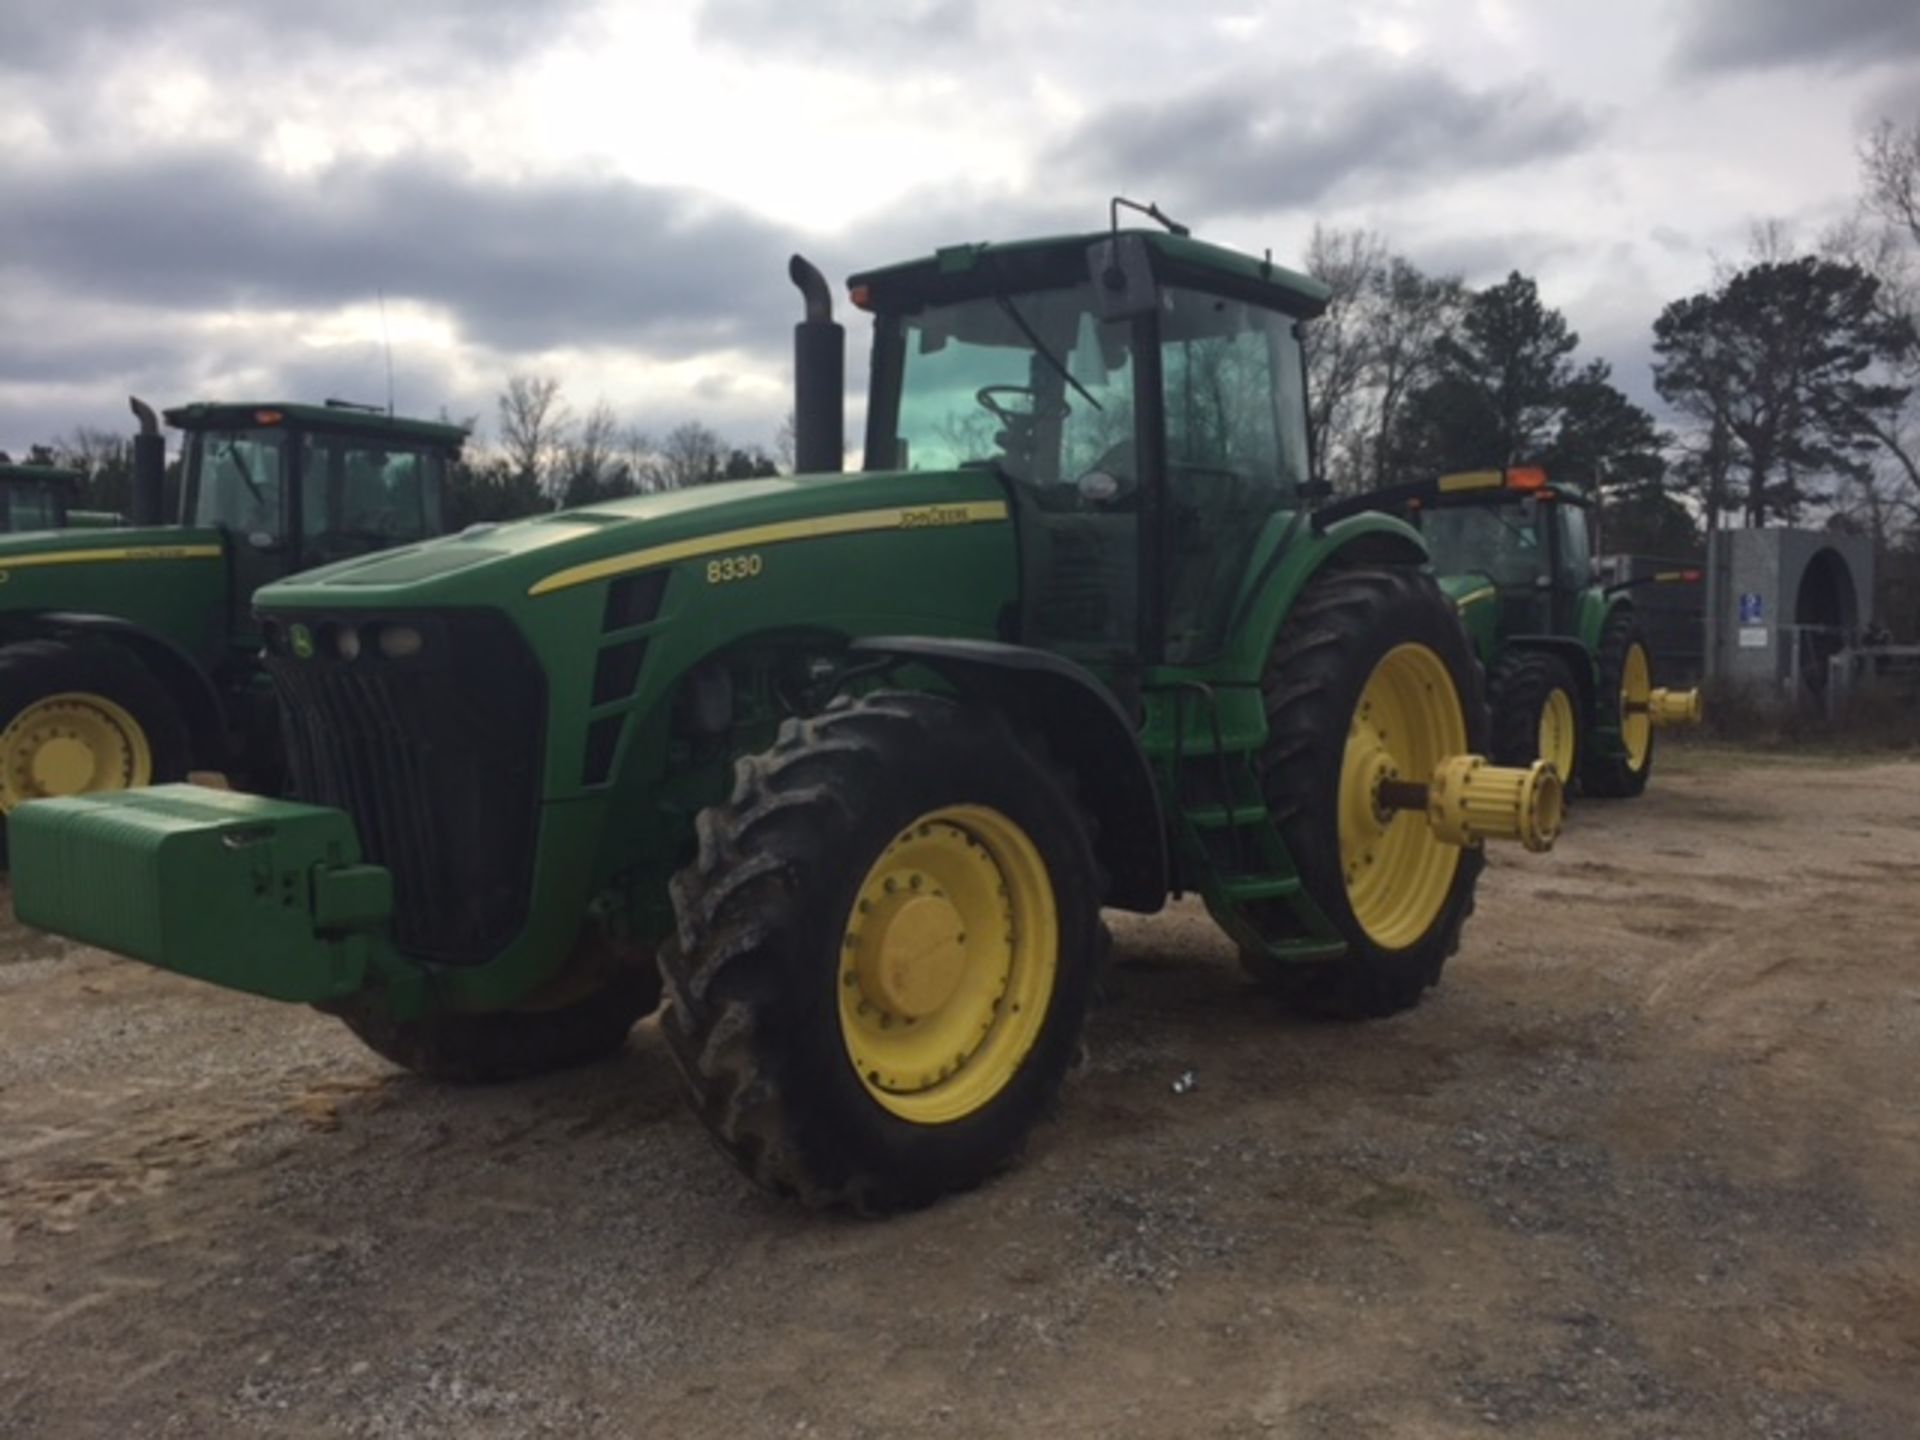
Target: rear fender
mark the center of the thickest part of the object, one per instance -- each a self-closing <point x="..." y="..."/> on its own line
<point x="1366" y="539"/>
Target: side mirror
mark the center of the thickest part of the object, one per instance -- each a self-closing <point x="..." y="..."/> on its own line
<point x="1122" y="276"/>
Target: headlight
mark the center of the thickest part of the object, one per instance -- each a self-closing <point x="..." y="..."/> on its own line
<point x="398" y="642"/>
<point x="346" y="643"/>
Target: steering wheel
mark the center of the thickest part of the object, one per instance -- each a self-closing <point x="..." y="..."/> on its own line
<point x="988" y="398"/>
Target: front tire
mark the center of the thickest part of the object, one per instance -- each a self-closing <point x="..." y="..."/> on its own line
<point x="885" y="952"/>
<point x="1371" y="672"/>
<point x="1536" y="712"/>
<point x="505" y="1045"/>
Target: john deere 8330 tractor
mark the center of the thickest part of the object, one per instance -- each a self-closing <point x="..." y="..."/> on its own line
<point x="1570" y="678"/>
<point x="852" y="762"/>
<point x="131" y="655"/>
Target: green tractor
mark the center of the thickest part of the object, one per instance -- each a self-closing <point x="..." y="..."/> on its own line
<point x="34" y="497"/>
<point x="1570" y="678"/>
<point x="129" y="656"/>
<point x="852" y="762"/>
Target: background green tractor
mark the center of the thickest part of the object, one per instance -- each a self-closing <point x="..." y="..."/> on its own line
<point x="1570" y="679"/>
<point x="34" y="497"/>
<point x="852" y="763"/>
<point x="130" y="655"/>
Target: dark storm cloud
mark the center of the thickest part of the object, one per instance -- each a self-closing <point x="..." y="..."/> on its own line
<point x="38" y="34"/>
<point x="1758" y="34"/>
<point x="1280" y="139"/>
<point x="522" y="265"/>
<point x="844" y="31"/>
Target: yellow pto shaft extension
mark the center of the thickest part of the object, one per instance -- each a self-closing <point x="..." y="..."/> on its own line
<point x="1670" y="707"/>
<point x="1468" y="801"/>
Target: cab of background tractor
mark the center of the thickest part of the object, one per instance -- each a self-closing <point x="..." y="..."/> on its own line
<point x="1528" y="540"/>
<point x="299" y="486"/>
<point x="34" y="497"/>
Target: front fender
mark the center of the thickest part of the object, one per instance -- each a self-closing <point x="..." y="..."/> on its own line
<point x="1085" y="728"/>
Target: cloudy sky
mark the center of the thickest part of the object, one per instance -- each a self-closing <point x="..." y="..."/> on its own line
<point x="209" y="199"/>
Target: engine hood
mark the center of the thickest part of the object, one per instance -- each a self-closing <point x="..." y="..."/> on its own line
<point x="520" y="560"/>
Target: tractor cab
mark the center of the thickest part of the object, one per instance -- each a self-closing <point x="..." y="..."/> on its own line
<point x="1512" y="531"/>
<point x="1141" y="395"/>
<point x="299" y="486"/>
<point x="34" y="497"/>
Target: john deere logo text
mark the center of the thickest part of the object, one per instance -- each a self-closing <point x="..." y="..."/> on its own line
<point x="934" y="515"/>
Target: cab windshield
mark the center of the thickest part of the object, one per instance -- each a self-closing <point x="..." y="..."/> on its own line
<point x="236" y="481"/>
<point x="1498" y="541"/>
<point x="1036" y="385"/>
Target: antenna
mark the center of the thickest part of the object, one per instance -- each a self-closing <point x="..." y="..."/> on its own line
<point x="386" y="342"/>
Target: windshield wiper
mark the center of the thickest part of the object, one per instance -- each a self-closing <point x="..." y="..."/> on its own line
<point x="1041" y="350"/>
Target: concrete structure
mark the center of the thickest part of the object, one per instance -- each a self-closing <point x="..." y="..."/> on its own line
<point x="1781" y="603"/>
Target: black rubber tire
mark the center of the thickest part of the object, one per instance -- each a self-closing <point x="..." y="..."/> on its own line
<point x="1521" y="682"/>
<point x="751" y="1011"/>
<point x="1606" y="771"/>
<point x="508" y="1045"/>
<point x="31" y="670"/>
<point x="1340" y="627"/>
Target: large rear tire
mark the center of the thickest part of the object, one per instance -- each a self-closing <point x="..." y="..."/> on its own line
<point x="885" y="952"/>
<point x="1371" y="670"/>
<point x="1536" y="712"/>
<point x="1618" y="770"/>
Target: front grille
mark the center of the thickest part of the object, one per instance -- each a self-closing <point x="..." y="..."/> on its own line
<point x="436" y="756"/>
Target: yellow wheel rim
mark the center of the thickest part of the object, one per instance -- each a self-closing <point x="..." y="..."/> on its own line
<point x="1556" y="732"/>
<point x="948" y="963"/>
<point x="1636" y="690"/>
<point x="1398" y="872"/>
<point x="71" y="743"/>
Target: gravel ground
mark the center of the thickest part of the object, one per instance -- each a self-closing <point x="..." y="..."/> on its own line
<point x="1646" y="1165"/>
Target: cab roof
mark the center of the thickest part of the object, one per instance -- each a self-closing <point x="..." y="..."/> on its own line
<point x="1256" y="279"/>
<point x="59" y="475"/>
<point x="246" y="415"/>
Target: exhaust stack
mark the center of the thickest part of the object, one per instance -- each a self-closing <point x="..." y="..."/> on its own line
<point x="149" y="466"/>
<point x="819" y="377"/>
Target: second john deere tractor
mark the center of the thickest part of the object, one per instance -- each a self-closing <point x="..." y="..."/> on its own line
<point x="1570" y="678"/>
<point x="130" y="656"/>
<point x="852" y="762"/>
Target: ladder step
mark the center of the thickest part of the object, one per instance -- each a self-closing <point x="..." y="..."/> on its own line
<point x="1240" y="888"/>
<point x="1223" y="817"/>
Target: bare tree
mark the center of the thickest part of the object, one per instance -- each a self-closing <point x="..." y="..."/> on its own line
<point x="1890" y="165"/>
<point x="1337" y="346"/>
<point x="534" y="422"/>
<point x="590" y="464"/>
<point x="690" y="455"/>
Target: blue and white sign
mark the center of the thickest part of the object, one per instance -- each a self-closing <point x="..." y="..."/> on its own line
<point x="1749" y="608"/>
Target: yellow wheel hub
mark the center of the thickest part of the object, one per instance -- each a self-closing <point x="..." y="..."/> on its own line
<point x="1398" y="872"/>
<point x="68" y="744"/>
<point x="1636" y="691"/>
<point x="1556" y="732"/>
<point x="948" y="964"/>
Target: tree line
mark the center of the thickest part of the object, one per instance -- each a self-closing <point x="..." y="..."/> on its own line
<point x="1793" y="382"/>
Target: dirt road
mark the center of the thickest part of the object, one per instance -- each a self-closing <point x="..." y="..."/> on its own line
<point x="1647" y="1164"/>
